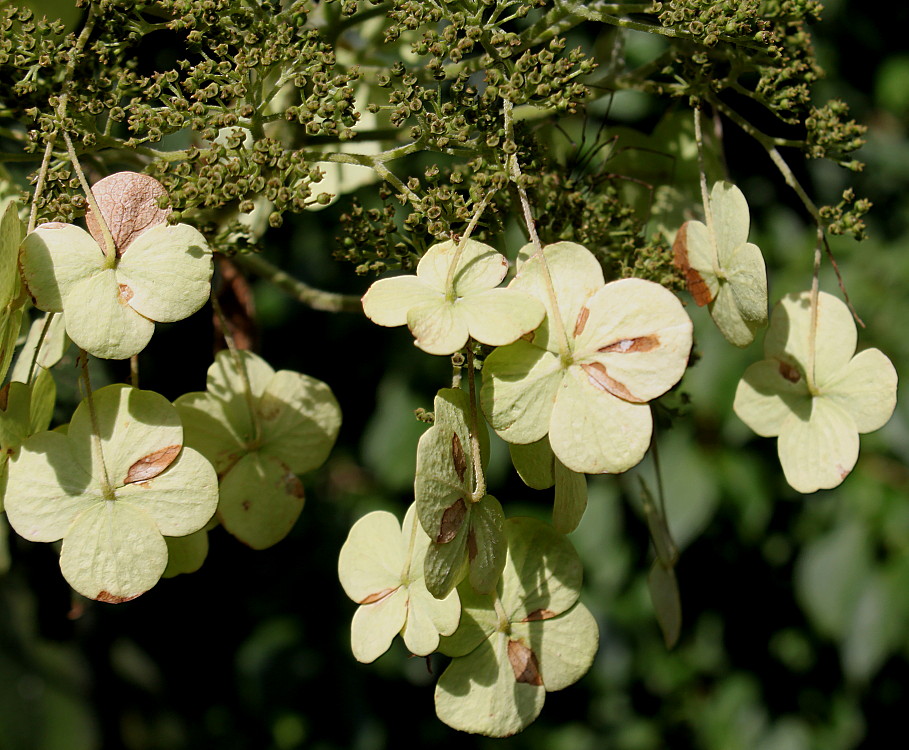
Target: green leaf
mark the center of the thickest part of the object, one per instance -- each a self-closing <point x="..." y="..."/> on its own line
<point x="380" y="568"/>
<point x="459" y="527"/>
<point x="813" y="394"/>
<point x="11" y="233"/>
<point x="261" y="500"/>
<point x="537" y="465"/>
<point x="722" y="268"/>
<point x="111" y="488"/>
<point x="453" y="297"/>
<point x="185" y="554"/>
<point x="664" y="592"/>
<point x="52" y="349"/>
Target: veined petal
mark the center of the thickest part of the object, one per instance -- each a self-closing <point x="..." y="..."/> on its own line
<point x="818" y="453"/>
<point x="594" y="432"/>
<point x="99" y="320"/>
<point x="113" y="552"/>
<point x="181" y="499"/>
<point x="479" y="267"/>
<point x="865" y="388"/>
<point x="696" y="256"/>
<point x="500" y="316"/>
<point x="387" y="301"/>
<point x="729" y="211"/>
<point x="438" y="326"/>
<point x="375" y="625"/>
<point x="576" y="275"/>
<point x="137" y="428"/>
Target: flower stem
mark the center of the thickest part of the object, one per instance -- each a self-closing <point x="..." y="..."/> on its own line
<point x="110" y="249"/>
<point x="479" y="477"/>
<point x="514" y="172"/>
<point x="97" y="452"/>
<point x="240" y="367"/>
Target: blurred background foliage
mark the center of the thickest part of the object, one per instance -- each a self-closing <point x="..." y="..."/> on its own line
<point x="796" y="609"/>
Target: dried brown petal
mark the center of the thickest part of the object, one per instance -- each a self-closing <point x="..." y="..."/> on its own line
<point x="128" y="201"/>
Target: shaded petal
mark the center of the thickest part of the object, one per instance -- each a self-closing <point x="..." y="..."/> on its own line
<point x="565" y="646"/>
<point x="53" y="258"/>
<point x="770" y="392"/>
<point x="818" y="452"/>
<point x="789" y="334"/>
<point x="261" y="500"/>
<point x="695" y="254"/>
<point x="387" y="301"/>
<point x="500" y="316"/>
<point x="47" y="488"/>
<point x="208" y="430"/>
<point x="729" y="211"/>
<point x="593" y="432"/>
<point x="132" y="425"/>
<point x="300" y="419"/>
<point x="479" y="692"/>
<point x="520" y="382"/>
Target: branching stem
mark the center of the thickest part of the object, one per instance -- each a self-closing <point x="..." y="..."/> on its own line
<point x="106" y="487"/>
<point x="317" y="299"/>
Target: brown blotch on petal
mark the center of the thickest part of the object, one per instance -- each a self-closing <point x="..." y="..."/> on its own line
<point x="125" y="295"/>
<point x="599" y="378"/>
<point x="452" y="519"/>
<point x="378" y="596"/>
<point x="153" y="464"/>
<point x="696" y="284"/>
<point x="106" y="596"/>
<point x="458" y="457"/>
<point x="524" y="663"/>
<point x="630" y="346"/>
<point x="291" y="485"/>
<point x="581" y="322"/>
<point x="471" y="545"/>
<point x="4" y="397"/>
<point x="790" y="372"/>
<point x="539" y="614"/>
